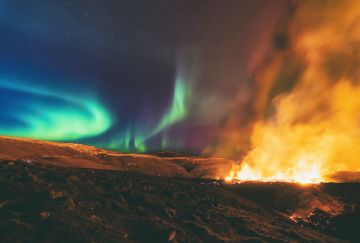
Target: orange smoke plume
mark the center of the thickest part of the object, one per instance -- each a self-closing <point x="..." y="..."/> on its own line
<point x="313" y="129"/>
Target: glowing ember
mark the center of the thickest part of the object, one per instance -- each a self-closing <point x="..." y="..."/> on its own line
<point x="293" y="218"/>
<point x="308" y="174"/>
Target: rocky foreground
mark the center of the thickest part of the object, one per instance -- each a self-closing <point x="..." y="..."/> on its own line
<point x="45" y="203"/>
<point x="62" y="192"/>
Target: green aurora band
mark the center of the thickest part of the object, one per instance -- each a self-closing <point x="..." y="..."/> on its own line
<point x="132" y="139"/>
<point x="77" y="117"/>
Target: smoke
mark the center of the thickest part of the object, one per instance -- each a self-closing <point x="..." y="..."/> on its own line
<point x="306" y="108"/>
<point x="257" y="88"/>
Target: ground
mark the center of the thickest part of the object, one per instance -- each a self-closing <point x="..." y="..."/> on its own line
<point x="61" y="192"/>
<point x="45" y="203"/>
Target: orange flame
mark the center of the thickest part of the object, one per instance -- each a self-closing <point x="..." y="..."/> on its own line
<point x="314" y="130"/>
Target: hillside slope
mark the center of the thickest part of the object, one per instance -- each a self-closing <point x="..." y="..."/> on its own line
<point x="77" y="155"/>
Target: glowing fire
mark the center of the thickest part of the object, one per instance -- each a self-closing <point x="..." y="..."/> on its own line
<point x="314" y="129"/>
<point x="310" y="175"/>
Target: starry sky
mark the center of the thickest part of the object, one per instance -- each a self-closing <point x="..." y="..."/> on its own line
<point x="132" y="75"/>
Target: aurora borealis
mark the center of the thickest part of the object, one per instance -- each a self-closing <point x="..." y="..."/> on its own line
<point x="52" y="115"/>
<point x="133" y="76"/>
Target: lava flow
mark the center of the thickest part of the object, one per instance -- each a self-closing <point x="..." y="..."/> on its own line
<point x="310" y="175"/>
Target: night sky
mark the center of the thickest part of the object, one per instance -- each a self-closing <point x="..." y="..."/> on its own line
<point x="134" y="75"/>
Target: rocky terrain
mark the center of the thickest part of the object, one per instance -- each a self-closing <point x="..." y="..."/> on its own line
<point x="58" y="192"/>
<point x="330" y="208"/>
<point x="44" y="203"/>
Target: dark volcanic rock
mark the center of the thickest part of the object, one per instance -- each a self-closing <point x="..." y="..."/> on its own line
<point x="42" y="203"/>
<point x="331" y="208"/>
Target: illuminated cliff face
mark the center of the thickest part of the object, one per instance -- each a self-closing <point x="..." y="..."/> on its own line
<point x="315" y="127"/>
